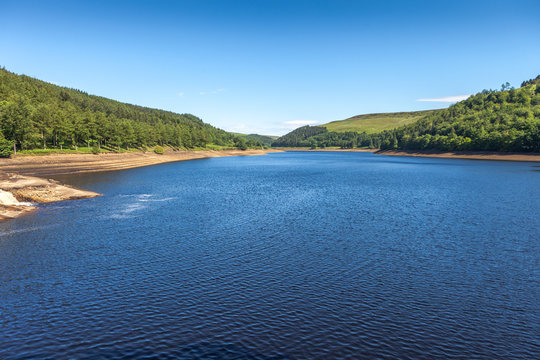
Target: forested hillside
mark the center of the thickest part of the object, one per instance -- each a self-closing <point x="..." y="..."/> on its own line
<point x="264" y="140"/>
<point x="505" y="120"/>
<point x="319" y="137"/>
<point x="300" y="137"/>
<point x="36" y="114"/>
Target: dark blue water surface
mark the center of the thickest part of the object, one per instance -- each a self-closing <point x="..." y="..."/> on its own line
<point x="291" y="255"/>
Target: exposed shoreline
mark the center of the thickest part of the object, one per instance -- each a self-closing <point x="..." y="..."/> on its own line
<point x="27" y="178"/>
<point x="63" y="164"/>
<point x="471" y="155"/>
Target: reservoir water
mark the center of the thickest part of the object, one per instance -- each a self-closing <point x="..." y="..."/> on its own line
<point x="295" y="255"/>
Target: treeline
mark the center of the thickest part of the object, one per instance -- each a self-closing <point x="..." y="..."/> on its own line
<point x="299" y="137"/>
<point x="319" y="137"/>
<point x="505" y="120"/>
<point x="35" y="114"/>
<point x="259" y="139"/>
<point x="534" y="81"/>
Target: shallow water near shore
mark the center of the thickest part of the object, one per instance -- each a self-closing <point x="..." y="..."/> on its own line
<point x="289" y="255"/>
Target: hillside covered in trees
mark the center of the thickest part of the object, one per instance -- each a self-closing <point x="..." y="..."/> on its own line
<point x="36" y="114"/>
<point x="265" y="140"/>
<point x="505" y="120"/>
<point x="303" y="136"/>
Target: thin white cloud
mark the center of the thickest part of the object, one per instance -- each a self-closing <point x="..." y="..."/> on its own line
<point x="181" y="94"/>
<point x="268" y="128"/>
<point x="287" y="126"/>
<point x="211" y="92"/>
<point x="448" y="99"/>
<point x="299" y="122"/>
<point x="239" y="127"/>
<point x="277" y="129"/>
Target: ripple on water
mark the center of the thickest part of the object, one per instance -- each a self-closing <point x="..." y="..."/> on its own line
<point x="286" y="256"/>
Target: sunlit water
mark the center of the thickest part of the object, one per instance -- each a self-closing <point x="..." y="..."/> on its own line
<point x="290" y="255"/>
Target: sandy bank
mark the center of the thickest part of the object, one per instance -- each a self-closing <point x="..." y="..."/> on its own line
<point x="472" y="155"/>
<point x="62" y="164"/>
<point x="19" y="185"/>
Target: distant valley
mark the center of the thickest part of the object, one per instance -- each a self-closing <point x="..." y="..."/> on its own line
<point x="506" y="120"/>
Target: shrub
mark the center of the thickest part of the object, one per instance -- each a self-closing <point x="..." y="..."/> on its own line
<point x="159" y="150"/>
<point x="240" y="143"/>
<point x="6" y="148"/>
<point x="96" y="150"/>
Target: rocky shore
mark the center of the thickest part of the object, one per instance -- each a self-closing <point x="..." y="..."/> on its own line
<point x="19" y="194"/>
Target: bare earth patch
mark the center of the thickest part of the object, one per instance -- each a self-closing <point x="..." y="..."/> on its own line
<point x="63" y="164"/>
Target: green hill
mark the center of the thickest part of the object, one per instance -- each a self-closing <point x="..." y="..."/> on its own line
<point x="36" y="114"/>
<point x="505" y="120"/>
<point x="300" y="137"/>
<point x="265" y="140"/>
<point x="373" y="123"/>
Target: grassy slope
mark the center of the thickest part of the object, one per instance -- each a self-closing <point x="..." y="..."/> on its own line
<point x="374" y="123"/>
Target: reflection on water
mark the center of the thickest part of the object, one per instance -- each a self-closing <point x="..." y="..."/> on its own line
<point x="289" y="255"/>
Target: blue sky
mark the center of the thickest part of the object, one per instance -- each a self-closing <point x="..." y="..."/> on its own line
<point x="271" y="66"/>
